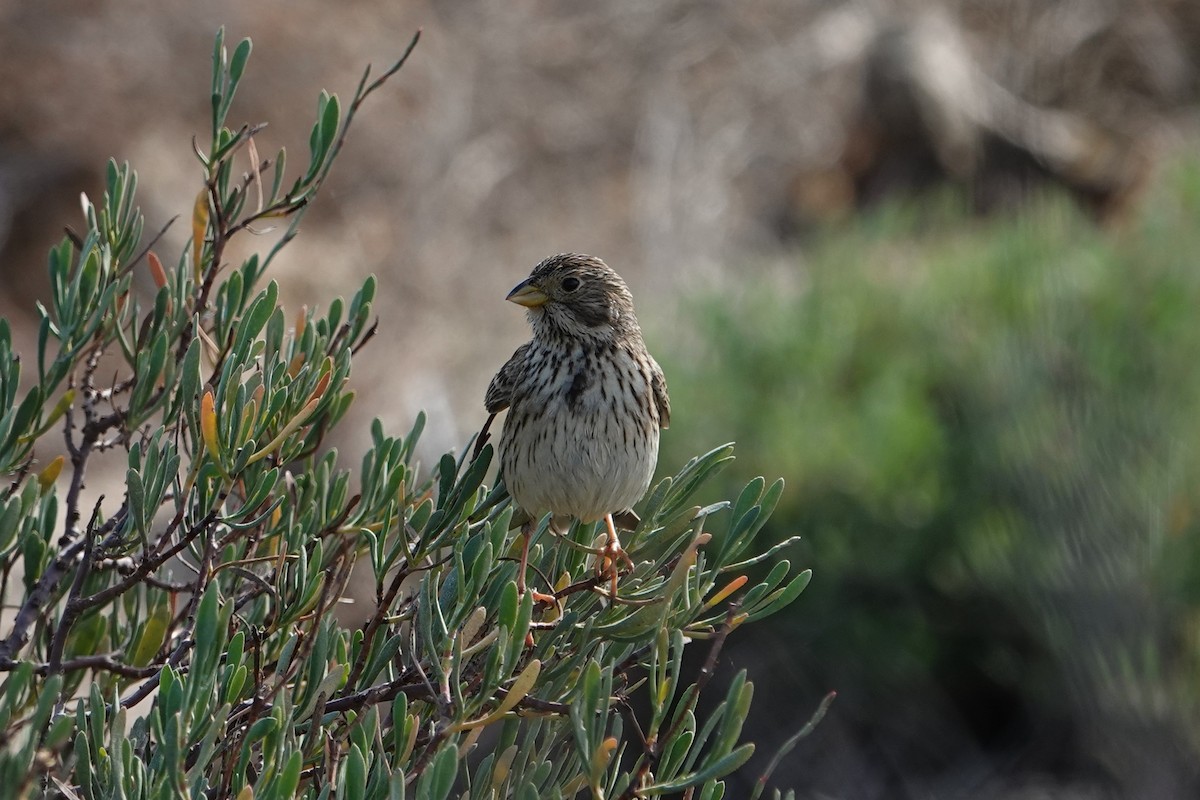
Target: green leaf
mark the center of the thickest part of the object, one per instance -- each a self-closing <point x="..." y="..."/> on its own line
<point x="137" y="500"/>
<point x="330" y="120"/>
<point x="237" y="64"/>
<point x="14" y="690"/>
<point x="189" y="376"/>
<point x="151" y="636"/>
<point x="255" y="319"/>
<point x="280" y="172"/>
<point x="261" y="729"/>
<point x="396" y="786"/>
<point x="27" y="412"/>
<point x="674" y="751"/>
<point x="782" y="597"/>
<point x="509" y="603"/>
<point x="289" y="778"/>
<point x="47" y="699"/>
<point x="736" y="706"/>
<point x="768" y="584"/>
<point x="10" y="519"/>
<point x="354" y="783"/>
<point x="714" y="769"/>
<point x="35" y="559"/>
<point x="209" y="641"/>
<point x="83" y="765"/>
<point x="438" y="780"/>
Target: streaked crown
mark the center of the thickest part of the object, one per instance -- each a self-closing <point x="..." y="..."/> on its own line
<point x="577" y="295"/>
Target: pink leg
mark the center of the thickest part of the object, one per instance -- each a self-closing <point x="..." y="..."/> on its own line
<point x="611" y="553"/>
<point x="538" y="597"/>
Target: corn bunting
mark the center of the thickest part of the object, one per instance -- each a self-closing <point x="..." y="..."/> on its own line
<point x="585" y="401"/>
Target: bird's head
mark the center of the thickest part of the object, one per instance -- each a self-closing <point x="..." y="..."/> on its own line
<point x="576" y="295"/>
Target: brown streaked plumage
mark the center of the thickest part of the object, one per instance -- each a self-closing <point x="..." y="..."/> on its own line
<point x="585" y="399"/>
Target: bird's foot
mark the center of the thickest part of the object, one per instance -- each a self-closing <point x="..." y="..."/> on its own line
<point x="541" y="598"/>
<point x="523" y="567"/>
<point x="609" y="555"/>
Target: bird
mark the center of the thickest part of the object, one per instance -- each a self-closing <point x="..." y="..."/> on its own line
<point x="585" y="401"/>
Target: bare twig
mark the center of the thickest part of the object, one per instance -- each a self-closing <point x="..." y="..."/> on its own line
<point x="72" y="611"/>
<point x="149" y="686"/>
<point x="104" y="662"/>
<point x="382" y="608"/>
<point x="148" y="247"/>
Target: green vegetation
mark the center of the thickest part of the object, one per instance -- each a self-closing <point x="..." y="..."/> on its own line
<point x="989" y="431"/>
<point x="179" y="641"/>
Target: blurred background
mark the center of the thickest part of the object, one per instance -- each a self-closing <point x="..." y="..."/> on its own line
<point x="932" y="262"/>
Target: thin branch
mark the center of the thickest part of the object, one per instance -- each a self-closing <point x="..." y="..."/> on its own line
<point x="38" y="598"/>
<point x="151" y="563"/>
<point x="290" y="204"/>
<point x="104" y="662"/>
<point x="380" y="694"/>
<point x="18" y="478"/>
<point x="391" y="71"/>
<point x="381" y="611"/>
<point x="147" y="688"/>
<point x="653" y="750"/>
<point x="149" y="245"/>
<point x="73" y="610"/>
<point x="544" y="706"/>
<point x="761" y="784"/>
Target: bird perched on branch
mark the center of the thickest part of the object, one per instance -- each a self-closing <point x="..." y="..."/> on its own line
<point x="585" y="402"/>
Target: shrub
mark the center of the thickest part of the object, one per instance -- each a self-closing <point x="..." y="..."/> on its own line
<point x="203" y="595"/>
<point x="988" y="428"/>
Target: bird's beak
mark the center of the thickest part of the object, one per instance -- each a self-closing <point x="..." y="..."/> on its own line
<point x="528" y="295"/>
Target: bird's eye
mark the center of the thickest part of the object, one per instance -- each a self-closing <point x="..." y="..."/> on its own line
<point x="570" y="284"/>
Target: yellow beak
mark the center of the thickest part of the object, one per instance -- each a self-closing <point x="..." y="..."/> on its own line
<point x="528" y="295"/>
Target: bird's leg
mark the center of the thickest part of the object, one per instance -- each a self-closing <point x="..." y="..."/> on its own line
<point x="611" y="553"/>
<point x="527" y="530"/>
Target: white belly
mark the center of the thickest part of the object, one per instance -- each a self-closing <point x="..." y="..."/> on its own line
<point x="585" y="453"/>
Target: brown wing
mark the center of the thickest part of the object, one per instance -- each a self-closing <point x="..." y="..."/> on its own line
<point x="499" y="391"/>
<point x="658" y="385"/>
